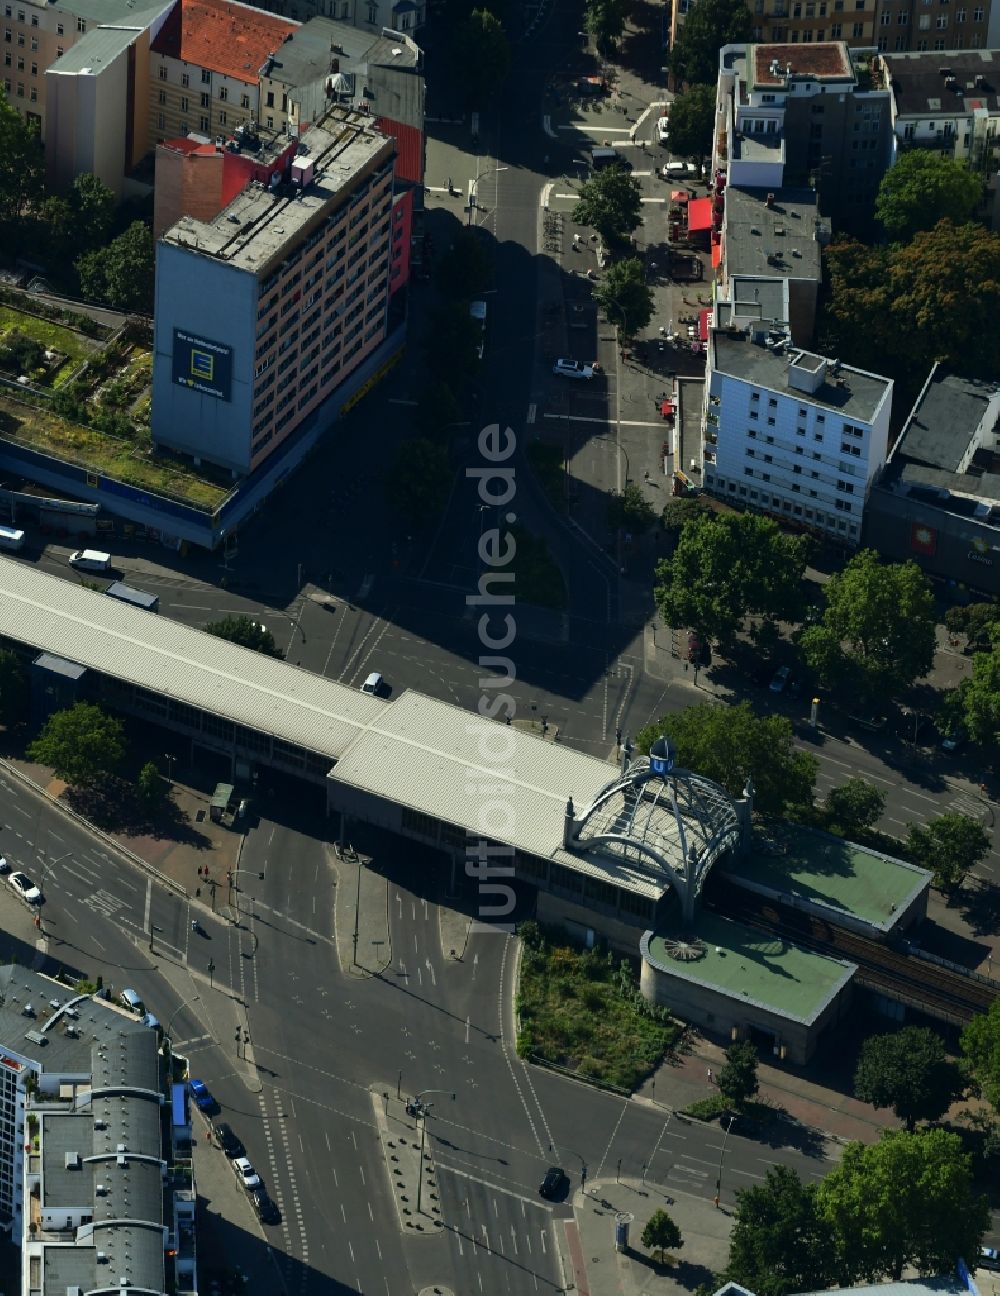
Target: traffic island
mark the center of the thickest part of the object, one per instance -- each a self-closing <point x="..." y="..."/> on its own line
<point x="408" y="1162"/>
<point x="361" y="915"/>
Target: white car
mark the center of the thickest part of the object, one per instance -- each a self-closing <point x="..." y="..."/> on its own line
<point x="374" y="684"/>
<point x="4" y="866"/>
<point x="677" y="170"/>
<point x="25" y="888"/>
<point x="662" y="129"/>
<point x="246" y="1172"/>
<point x="572" y="369"/>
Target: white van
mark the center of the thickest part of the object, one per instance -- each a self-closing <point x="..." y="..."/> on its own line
<point x="11" y="538"/>
<point x="90" y="560"/>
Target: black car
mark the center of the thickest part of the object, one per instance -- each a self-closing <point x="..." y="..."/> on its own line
<point x="228" y="1141"/>
<point x="555" y="1183"/>
<point x="266" y="1210"/>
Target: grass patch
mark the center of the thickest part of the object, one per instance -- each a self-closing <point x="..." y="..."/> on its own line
<point x="547" y="463"/>
<point x="706" y="1109"/>
<point x="52" y="336"/>
<point x="537" y="578"/>
<point x="582" y="1010"/>
<point x="131" y="461"/>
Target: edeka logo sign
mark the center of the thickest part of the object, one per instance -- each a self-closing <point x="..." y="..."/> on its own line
<point x="204" y="366"/>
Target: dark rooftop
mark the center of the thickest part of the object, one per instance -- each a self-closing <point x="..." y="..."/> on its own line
<point x="922" y="82"/>
<point x="947" y="419"/>
<point x="784" y="232"/>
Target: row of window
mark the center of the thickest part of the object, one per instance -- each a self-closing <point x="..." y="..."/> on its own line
<point x="921" y="46"/>
<point x="33" y="96"/>
<point x="8" y="60"/>
<point x="775" y="504"/>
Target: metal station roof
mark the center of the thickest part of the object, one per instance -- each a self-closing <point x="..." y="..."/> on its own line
<point x="154" y="653"/>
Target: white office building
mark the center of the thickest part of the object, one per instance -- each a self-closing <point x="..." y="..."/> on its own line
<point x="792" y="433"/>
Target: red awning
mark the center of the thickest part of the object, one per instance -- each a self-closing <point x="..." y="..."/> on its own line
<point x="700" y="214"/>
<point x="667" y="409"/>
<point x="704" y="320"/>
<point x="716" y="254"/>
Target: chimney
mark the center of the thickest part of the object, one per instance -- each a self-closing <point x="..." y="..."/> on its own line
<point x="770" y="200"/>
<point x="569" y="825"/>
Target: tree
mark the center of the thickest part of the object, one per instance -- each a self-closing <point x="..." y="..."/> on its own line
<point x="625" y="297"/>
<point x="80" y="745"/>
<point x="976" y="701"/>
<point x="728" y="566"/>
<point x="710" y="24"/>
<point x="909" y="1072"/>
<point x="948" y="846"/>
<point x="906" y="1200"/>
<point x="856" y="804"/>
<point x="436" y="409"/>
<point x="730" y="744"/>
<point x="661" y="1234"/>
<point x="481" y="55"/>
<point x="981" y="1048"/>
<point x="21" y="163"/>
<point x="692" y="121"/>
<point x="630" y="510"/>
<point x="466" y="270"/>
<point x="610" y="203"/>
<point x="92" y="205"/>
<point x="13" y="689"/>
<point x="678" y="512"/>
<point x="904" y="307"/>
<point x="877" y="633"/>
<point x="151" y="786"/>
<point x="121" y="273"/>
<point x="737" y="1080"/>
<point x="21" y="354"/>
<point x="605" y="20"/>
<point x="922" y="188"/>
<point x="419" y="482"/>
<point x="779" y="1245"/>
<point x="451" y="342"/>
<point x="246" y="632"/>
<point x="975" y="621"/>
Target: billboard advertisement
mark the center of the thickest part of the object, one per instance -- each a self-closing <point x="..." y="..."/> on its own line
<point x="204" y="366"/>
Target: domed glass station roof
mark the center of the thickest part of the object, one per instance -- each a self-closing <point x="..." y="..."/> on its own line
<point x="665" y="822"/>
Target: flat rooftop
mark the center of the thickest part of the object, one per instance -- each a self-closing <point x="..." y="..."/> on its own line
<point x="946" y="420"/>
<point x="918" y="81"/>
<point x="824" y="61"/>
<point x="785" y="230"/>
<point x="753" y="967"/>
<point x="259" y="224"/>
<point x="860" y="397"/>
<point x="833" y="873"/>
<point x="96" y="51"/>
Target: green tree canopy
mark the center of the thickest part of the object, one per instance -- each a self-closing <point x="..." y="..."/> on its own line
<point x="246" y="632"/>
<point x="480" y="56"/>
<point x="605" y="20"/>
<point x="975" y="621"/>
<point x="906" y="1200"/>
<point x="677" y="512"/>
<point x="121" y="274"/>
<point x="877" y="632"/>
<point x="708" y="25"/>
<point x="419" y="482"/>
<point x="856" y="804"/>
<point x="630" y="510"/>
<point x="14" y="691"/>
<point x="899" y="309"/>
<point x="466" y="269"/>
<point x="981" y="1048"/>
<point x="661" y="1233"/>
<point x="922" y="188"/>
<point x="625" y="297"/>
<point x="779" y="1245"/>
<point x="692" y="121"/>
<point x="909" y="1072"/>
<point x="727" y="566"/>
<point x="80" y="745"/>
<point x="92" y="205"/>
<point x="151" y="786"/>
<point x="948" y="846"/>
<point x="22" y="166"/>
<point x="737" y="1080"/>
<point x="610" y="203"/>
<point x="731" y="744"/>
<point x="976" y="701"/>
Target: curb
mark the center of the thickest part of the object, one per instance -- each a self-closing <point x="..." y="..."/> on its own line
<point x="111" y="842"/>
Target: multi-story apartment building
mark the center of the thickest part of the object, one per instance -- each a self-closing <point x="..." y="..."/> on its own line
<point x="206" y="66"/>
<point x="368" y="15"/>
<point x="804" y="116"/>
<point x="932" y="25"/>
<point x="263" y="311"/>
<point x="792" y="433"/>
<point x="802" y="22"/>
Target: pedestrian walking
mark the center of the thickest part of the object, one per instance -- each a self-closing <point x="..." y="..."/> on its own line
<point x="709" y="1075"/>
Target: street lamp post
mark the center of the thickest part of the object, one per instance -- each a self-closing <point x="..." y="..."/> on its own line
<point x="420" y="1109"/>
<point x="722" y="1153"/>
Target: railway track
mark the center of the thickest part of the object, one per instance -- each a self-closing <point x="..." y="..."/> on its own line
<point x="938" y="991"/>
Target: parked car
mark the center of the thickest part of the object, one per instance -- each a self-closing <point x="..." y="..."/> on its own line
<point x="4" y="866"/>
<point x="203" y="1100"/>
<point x="90" y="560"/>
<point x="555" y="1183"/>
<point x="25" y="888"/>
<point x="248" y="1175"/>
<point x="989" y="1258"/>
<point x="662" y="129"/>
<point x="678" y="170"/>
<point x="781" y="677"/>
<point x="228" y="1141"/>
<point x="572" y="369"/>
<point x="374" y="684"/>
<point x="266" y="1210"/>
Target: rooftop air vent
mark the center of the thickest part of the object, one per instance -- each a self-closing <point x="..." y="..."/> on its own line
<point x="101" y="1189"/>
<point x="102" y="1257"/>
<point x="72" y="1161"/>
<point x="28" y="1010"/>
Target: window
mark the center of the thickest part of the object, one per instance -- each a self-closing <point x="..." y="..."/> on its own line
<point x="206" y="77"/>
<point x="885" y="18"/>
<point x="222" y="119"/>
<point x="372" y="12"/>
<point x="20" y="89"/>
<point x="205" y="100"/>
<point x="8" y="59"/>
<point x="162" y="97"/>
<point x="163" y="73"/>
<point x="59" y="30"/>
<point x="184" y="103"/>
<point x="59" y="51"/>
<point x="244" y="101"/>
<point x="797" y="469"/>
<point x="754" y="414"/>
<point x="755" y="396"/>
<point x="81" y="25"/>
<point x="858" y="30"/>
<point x="203" y="123"/>
<point x="20" y="64"/>
<point x="270" y="99"/>
<point x="270" y="123"/>
<point x="772" y="403"/>
<point x="34" y="20"/>
<point x="960" y="15"/>
<point x="185" y="80"/>
<point x="835" y="31"/>
<point x="977" y="14"/>
<point x="224" y="93"/>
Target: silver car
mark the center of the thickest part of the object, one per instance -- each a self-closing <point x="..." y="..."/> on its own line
<point x="572" y="369"/>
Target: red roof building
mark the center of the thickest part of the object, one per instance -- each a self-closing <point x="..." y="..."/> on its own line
<point x="231" y="39"/>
